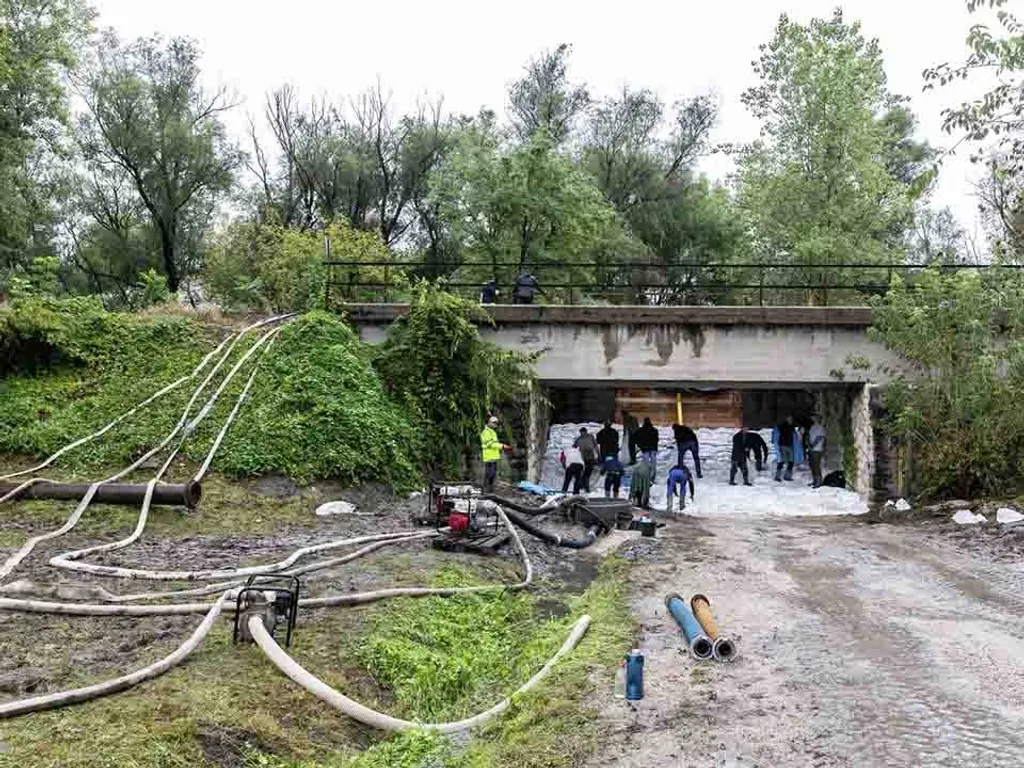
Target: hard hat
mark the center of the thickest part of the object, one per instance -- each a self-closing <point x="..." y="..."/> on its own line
<point x="493" y="421"/>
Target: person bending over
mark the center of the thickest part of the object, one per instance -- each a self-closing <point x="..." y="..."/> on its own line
<point x="678" y="478"/>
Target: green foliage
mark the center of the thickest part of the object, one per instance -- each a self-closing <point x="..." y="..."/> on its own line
<point x="445" y="658"/>
<point x="318" y="410"/>
<point x="526" y="207"/>
<point x="152" y="124"/>
<point x="828" y="183"/>
<point x="958" y="402"/>
<point x="435" y="362"/>
<point x="273" y="268"/>
<point x="39" y="43"/>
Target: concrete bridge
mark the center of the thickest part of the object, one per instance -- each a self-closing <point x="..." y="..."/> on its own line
<point x="770" y="360"/>
<point x="742" y="347"/>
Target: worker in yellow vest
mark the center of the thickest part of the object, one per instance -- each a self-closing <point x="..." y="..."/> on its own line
<point x="491" y="449"/>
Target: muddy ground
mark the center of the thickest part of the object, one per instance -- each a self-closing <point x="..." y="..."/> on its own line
<point x="861" y="645"/>
<point x="43" y="653"/>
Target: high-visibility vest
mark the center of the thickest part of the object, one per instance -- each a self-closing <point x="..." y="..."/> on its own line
<point x="491" y="446"/>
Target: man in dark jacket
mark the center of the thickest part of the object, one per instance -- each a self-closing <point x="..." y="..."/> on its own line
<point x="757" y="444"/>
<point x="489" y="292"/>
<point x="629" y="426"/>
<point x="739" y="457"/>
<point x="678" y="478"/>
<point x="686" y="440"/>
<point x="647" y="442"/>
<point x="608" y="440"/>
<point x="525" y="289"/>
<point x="588" y="449"/>
<point x="613" y="471"/>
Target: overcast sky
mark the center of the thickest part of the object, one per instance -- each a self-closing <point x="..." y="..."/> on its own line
<point x="469" y="51"/>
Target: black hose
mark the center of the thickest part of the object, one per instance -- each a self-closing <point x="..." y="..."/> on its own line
<point x="528" y="510"/>
<point x="553" y="538"/>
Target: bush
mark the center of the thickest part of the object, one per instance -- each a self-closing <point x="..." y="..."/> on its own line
<point x="435" y="361"/>
<point x="317" y="409"/>
<point x="958" y="403"/>
<point x="271" y="268"/>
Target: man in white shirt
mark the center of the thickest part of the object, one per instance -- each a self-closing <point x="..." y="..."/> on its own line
<point x="816" y="450"/>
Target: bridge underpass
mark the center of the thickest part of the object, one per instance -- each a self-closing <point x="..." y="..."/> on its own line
<point x="719" y="366"/>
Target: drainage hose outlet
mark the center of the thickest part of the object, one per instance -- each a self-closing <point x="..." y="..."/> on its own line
<point x="702" y="648"/>
<point x="724" y="649"/>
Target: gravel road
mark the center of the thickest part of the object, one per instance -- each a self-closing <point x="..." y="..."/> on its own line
<point x="861" y="645"/>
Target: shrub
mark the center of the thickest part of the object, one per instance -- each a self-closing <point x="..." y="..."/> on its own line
<point x="435" y="361"/>
<point x="957" y="401"/>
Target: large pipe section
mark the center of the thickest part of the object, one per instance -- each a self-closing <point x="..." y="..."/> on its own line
<point x="372" y="717"/>
<point x="553" y="538"/>
<point x="700" y="645"/>
<point x="723" y="647"/>
<point x="172" y="495"/>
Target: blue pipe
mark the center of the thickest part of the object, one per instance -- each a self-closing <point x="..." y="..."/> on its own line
<point x="700" y="644"/>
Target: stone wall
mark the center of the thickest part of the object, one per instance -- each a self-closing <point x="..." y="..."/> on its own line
<point x="537" y="432"/>
<point x="863" y="441"/>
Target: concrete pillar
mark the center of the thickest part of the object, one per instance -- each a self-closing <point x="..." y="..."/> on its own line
<point x="537" y="431"/>
<point x="863" y="442"/>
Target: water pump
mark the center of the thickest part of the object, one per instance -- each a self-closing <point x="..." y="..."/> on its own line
<point x="273" y="599"/>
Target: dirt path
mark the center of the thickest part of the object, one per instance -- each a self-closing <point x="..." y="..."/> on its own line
<point x="860" y="646"/>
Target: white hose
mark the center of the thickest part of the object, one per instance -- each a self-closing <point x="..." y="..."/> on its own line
<point x="376" y="719"/>
<point x="77" y="695"/>
<point x="127" y="414"/>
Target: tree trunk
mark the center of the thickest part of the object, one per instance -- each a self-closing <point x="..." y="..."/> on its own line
<point x="167" y="249"/>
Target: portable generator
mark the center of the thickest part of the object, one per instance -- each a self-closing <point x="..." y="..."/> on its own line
<point x="463" y="519"/>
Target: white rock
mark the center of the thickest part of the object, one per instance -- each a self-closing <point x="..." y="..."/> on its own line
<point x="966" y="517"/>
<point x="335" y="508"/>
<point x="902" y="505"/>
<point x="1007" y="515"/>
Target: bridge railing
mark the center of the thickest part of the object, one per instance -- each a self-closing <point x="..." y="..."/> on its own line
<point x="639" y="283"/>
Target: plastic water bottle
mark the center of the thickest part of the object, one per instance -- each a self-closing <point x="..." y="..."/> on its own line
<point x="620" y="680"/>
<point x="635" y="675"/>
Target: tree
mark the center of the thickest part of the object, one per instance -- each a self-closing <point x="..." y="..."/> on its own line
<point x="525" y="207"/>
<point x="828" y="183"/>
<point x="272" y="268"/>
<point x="364" y="162"/>
<point x="151" y="120"/>
<point x="956" y="397"/>
<point x="994" y="121"/>
<point x="647" y="172"/>
<point x="544" y="98"/>
<point x="39" y="44"/>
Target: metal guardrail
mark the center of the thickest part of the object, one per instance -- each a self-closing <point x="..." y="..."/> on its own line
<point x="608" y="282"/>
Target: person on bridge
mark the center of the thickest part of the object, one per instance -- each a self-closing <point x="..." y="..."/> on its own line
<point x="588" y="449"/>
<point x="489" y="293"/>
<point x="572" y="460"/>
<point x="678" y="478"/>
<point x="647" y="442"/>
<point x="526" y="288"/>
<point x="757" y="445"/>
<point x="739" y="457"/>
<point x="491" y="449"/>
<point x="613" y="471"/>
<point x="686" y="440"/>
<point x="630" y="426"/>
<point x="788" y="448"/>
<point x="608" y="440"/>
<point x="640" y="483"/>
<point x="816" y="451"/>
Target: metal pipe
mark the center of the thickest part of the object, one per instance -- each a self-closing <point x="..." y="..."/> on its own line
<point x="700" y="645"/>
<point x="723" y="647"/>
<point x="175" y="495"/>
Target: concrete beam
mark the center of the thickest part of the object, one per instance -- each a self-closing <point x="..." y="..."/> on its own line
<point x="559" y="314"/>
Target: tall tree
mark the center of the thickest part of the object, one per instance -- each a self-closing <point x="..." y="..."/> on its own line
<point x="522" y="207"/>
<point x="360" y="161"/>
<point x="150" y="118"/>
<point x="825" y="184"/>
<point x="646" y="170"/>
<point x="545" y="98"/>
<point x="39" y="43"/>
<point x="993" y="122"/>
